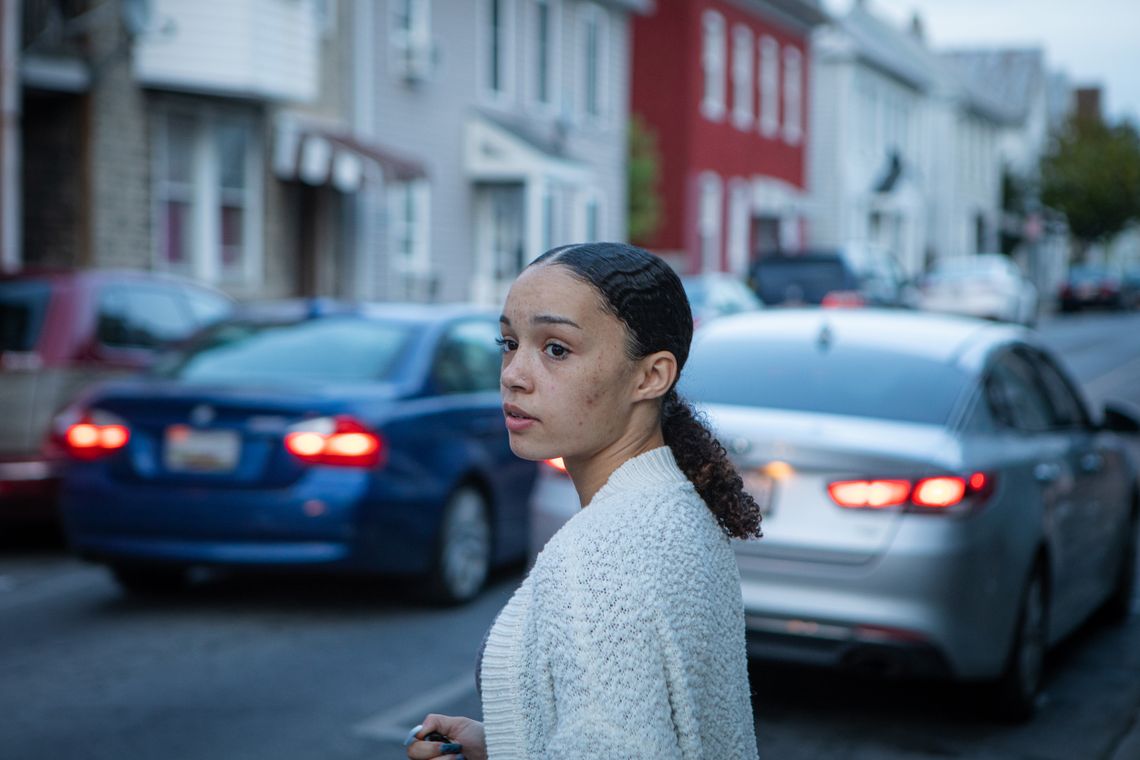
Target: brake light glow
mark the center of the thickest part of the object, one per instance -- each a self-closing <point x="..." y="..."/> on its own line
<point x="838" y="299"/>
<point x="935" y="493"/>
<point x="96" y="435"/>
<point x="336" y="441"/>
<point x="556" y="464"/>
<point x="872" y="494"/>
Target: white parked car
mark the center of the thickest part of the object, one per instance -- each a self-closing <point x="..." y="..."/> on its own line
<point x="988" y="285"/>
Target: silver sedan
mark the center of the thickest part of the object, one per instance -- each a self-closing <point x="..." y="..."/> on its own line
<point x="939" y="499"/>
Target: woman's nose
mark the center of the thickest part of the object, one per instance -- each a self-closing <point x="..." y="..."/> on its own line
<point x="514" y="375"/>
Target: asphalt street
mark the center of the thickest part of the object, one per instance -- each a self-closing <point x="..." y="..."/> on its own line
<point x="280" y="667"/>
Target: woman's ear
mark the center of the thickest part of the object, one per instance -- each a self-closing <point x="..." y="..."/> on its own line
<point x="656" y="374"/>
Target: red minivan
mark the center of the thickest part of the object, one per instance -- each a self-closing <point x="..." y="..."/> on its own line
<point x="63" y="329"/>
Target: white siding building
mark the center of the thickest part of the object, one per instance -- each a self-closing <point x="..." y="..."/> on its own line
<point x="519" y="110"/>
<point x="902" y="157"/>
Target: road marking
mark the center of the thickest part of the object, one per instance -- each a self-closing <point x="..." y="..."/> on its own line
<point x="394" y="724"/>
<point x="1117" y="374"/>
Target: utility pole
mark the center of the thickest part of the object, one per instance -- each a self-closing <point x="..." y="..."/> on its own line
<point x="10" y="185"/>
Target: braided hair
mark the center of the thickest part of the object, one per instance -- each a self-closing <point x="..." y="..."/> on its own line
<point x="646" y="295"/>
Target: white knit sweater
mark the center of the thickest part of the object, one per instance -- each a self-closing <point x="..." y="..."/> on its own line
<point x="627" y="637"/>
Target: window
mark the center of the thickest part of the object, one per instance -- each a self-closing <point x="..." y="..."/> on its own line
<point x="547" y="218"/>
<point x="1014" y="397"/>
<point x="206" y="198"/>
<point x="411" y="38"/>
<point x="769" y="86"/>
<point x="232" y="148"/>
<point x="141" y="317"/>
<point x="468" y="360"/>
<point x="334" y="349"/>
<point x="497" y="75"/>
<point x="544" y="41"/>
<point x="739" y="211"/>
<point x="1068" y="411"/>
<point x="590" y="217"/>
<point x="709" y="222"/>
<point x="742" y="77"/>
<point x="175" y="193"/>
<point x="764" y="371"/>
<point x="712" y="60"/>
<point x="595" y="61"/>
<point x="23" y="306"/>
<point x="793" y="95"/>
<point x="408" y="228"/>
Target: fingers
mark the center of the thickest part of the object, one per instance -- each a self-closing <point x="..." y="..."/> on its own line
<point x="429" y="739"/>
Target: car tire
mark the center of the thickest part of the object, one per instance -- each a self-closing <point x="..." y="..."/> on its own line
<point x="1014" y="697"/>
<point x="1118" y="606"/>
<point x="149" y="580"/>
<point x="463" y="553"/>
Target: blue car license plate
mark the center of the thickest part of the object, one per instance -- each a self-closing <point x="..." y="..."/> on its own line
<point x="189" y="449"/>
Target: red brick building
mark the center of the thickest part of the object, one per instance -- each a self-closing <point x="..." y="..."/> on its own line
<point x="723" y="85"/>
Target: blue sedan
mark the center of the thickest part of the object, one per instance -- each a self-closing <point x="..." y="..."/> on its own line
<point x="365" y="439"/>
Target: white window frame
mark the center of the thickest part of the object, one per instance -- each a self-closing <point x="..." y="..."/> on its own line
<point x="409" y="240"/>
<point x="739" y="218"/>
<point x="505" y="94"/>
<point x="593" y="14"/>
<point x="710" y="220"/>
<point x="411" y="46"/>
<point x="742" y="68"/>
<point x="793" y="95"/>
<point x="590" y="202"/>
<point x="553" y="53"/>
<point x="769" y="83"/>
<point x="205" y="195"/>
<point x="713" y="58"/>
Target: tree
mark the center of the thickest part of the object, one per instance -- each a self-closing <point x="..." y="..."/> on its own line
<point x="1091" y="174"/>
<point x="643" y="198"/>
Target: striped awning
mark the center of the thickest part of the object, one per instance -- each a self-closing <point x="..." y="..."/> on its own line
<point x="322" y="155"/>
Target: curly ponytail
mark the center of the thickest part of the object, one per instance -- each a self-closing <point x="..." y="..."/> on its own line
<point x="643" y="292"/>
<point x="703" y="459"/>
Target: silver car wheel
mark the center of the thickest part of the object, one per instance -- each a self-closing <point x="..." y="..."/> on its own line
<point x="465" y="545"/>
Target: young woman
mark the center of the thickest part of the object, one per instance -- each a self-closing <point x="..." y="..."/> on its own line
<point x="627" y="636"/>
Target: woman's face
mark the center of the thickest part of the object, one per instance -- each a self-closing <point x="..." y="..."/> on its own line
<point x="567" y="382"/>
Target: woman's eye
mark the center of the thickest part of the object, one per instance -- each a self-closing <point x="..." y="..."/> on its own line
<point x="506" y="344"/>
<point x="556" y="351"/>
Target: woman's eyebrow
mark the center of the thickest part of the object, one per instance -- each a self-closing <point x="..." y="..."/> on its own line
<point x="544" y="319"/>
<point x="553" y="319"/>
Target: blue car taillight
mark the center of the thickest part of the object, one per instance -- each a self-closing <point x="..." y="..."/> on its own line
<point x="336" y="441"/>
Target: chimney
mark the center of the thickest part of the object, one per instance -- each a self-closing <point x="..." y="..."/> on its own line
<point x="1088" y="101"/>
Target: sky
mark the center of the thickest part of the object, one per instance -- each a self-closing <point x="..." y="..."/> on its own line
<point x="1092" y="41"/>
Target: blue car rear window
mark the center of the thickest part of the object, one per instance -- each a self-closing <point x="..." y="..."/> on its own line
<point x="802" y="376"/>
<point x="23" y="305"/>
<point x="322" y="350"/>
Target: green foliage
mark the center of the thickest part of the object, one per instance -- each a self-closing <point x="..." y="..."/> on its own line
<point x="643" y="168"/>
<point x="1091" y="174"/>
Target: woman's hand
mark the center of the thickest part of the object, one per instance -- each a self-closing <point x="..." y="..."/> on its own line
<point x="462" y="731"/>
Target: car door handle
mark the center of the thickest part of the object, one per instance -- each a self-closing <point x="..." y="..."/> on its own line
<point x="1092" y="462"/>
<point x="1047" y="472"/>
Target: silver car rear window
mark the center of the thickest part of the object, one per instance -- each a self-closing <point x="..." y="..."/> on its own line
<point x="802" y="376"/>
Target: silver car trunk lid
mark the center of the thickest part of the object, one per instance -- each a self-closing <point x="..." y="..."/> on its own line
<point x="789" y="458"/>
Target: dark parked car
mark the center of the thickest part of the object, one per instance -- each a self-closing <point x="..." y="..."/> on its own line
<point x="851" y="276"/>
<point x="367" y="439"/>
<point x="59" y="331"/>
<point x="1091" y="286"/>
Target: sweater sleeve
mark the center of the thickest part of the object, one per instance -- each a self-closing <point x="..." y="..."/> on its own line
<point x="603" y="636"/>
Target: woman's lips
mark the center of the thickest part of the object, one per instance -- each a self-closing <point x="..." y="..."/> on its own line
<point x="517" y="420"/>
